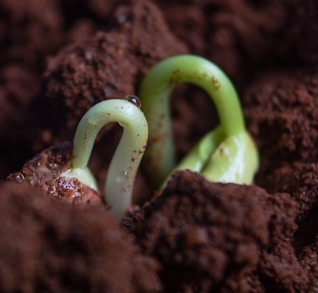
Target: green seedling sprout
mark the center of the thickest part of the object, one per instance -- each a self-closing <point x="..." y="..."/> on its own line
<point x="125" y="162"/>
<point x="226" y="154"/>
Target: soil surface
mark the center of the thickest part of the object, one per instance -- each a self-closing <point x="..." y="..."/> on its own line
<point x="60" y="57"/>
<point x="50" y="246"/>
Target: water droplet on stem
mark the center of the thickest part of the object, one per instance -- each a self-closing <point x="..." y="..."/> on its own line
<point x="134" y="100"/>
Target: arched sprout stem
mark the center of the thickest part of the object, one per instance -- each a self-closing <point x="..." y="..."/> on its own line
<point x="160" y="158"/>
<point x="126" y="159"/>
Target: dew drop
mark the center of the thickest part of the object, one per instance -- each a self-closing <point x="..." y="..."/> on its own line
<point x="134" y="100"/>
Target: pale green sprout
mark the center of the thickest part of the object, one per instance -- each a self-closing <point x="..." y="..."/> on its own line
<point x="226" y="154"/>
<point x="126" y="159"/>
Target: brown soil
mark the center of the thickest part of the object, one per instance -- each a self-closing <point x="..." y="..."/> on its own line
<point x="44" y="170"/>
<point x="49" y="246"/>
<point x="58" y="58"/>
<point x="214" y="237"/>
<point x="286" y="131"/>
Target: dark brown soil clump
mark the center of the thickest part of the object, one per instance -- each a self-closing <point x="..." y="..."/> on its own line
<point x="18" y="85"/>
<point x="58" y="58"/>
<point x="281" y="114"/>
<point x="47" y="245"/>
<point x="221" y="238"/>
<point x="244" y="37"/>
<point x="29" y="30"/>
<point x="86" y="73"/>
<point x="43" y="172"/>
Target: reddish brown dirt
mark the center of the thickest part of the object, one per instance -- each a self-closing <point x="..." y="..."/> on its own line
<point x="213" y="237"/>
<point x="280" y="109"/>
<point x="44" y="173"/>
<point x="48" y="246"/>
<point x="59" y="57"/>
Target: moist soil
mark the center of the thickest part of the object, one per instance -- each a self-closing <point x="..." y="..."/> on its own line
<point x="59" y="58"/>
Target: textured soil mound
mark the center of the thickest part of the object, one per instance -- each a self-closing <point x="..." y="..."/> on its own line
<point x="48" y="245"/>
<point x="60" y="57"/>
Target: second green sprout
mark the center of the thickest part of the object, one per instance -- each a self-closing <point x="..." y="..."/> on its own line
<point x="226" y="154"/>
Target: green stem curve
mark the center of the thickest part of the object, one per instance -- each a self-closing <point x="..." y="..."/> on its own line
<point x="126" y="159"/>
<point x="155" y="91"/>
